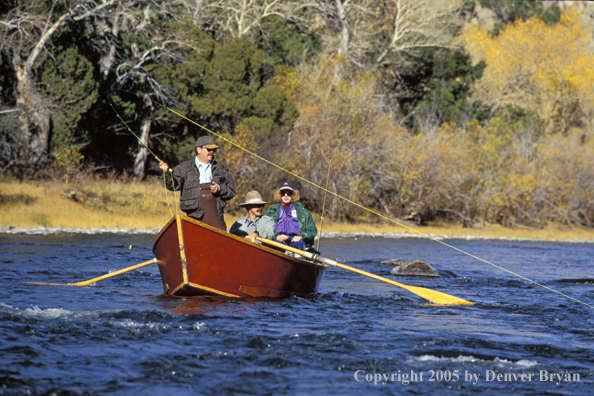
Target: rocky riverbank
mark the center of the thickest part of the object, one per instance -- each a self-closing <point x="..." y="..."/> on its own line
<point x="329" y="234"/>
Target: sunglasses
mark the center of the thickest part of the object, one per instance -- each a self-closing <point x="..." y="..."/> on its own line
<point x="286" y="192"/>
<point x="214" y="150"/>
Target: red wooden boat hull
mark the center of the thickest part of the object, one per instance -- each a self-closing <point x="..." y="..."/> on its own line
<point x="197" y="259"/>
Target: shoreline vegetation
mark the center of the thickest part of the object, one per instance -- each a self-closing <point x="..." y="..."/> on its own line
<point x="115" y="206"/>
<point x="402" y="106"/>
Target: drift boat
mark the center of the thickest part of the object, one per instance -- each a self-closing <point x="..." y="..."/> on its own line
<point x="196" y="259"/>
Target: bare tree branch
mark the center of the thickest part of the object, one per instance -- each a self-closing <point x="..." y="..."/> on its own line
<point x="28" y="29"/>
<point x="367" y="29"/>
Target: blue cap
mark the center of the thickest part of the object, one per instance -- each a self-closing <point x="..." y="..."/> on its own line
<point x="286" y="185"/>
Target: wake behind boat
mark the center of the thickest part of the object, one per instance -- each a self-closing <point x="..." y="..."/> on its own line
<point x="197" y="259"/>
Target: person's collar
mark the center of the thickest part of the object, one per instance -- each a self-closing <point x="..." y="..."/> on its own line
<point x="247" y="216"/>
<point x="196" y="161"/>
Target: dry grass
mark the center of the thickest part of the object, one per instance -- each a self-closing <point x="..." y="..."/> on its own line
<point x="99" y="203"/>
<point x="552" y="232"/>
<point x="132" y="204"/>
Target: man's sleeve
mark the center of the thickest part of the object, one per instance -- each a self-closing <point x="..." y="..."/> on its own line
<point x="226" y="186"/>
<point x="175" y="182"/>
<point x="310" y="230"/>
<point x="235" y="230"/>
<point x="267" y="228"/>
<point x="272" y="214"/>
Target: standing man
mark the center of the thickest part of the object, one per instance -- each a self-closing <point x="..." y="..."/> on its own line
<point x="254" y="224"/>
<point x="206" y="184"/>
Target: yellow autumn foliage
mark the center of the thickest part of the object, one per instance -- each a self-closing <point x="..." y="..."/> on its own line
<point x="343" y="126"/>
<point x="544" y="69"/>
<point x="505" y="171"/>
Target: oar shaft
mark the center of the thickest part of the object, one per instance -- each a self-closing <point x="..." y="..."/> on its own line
<point x="116" y="273"/>
<point x="431" y="295"/>
<point x="88" y="282"/>
<point x="428" y="294"/>
<point x="358" y="271"/>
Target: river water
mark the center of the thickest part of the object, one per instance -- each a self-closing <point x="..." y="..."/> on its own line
<point x="357" y="336"/>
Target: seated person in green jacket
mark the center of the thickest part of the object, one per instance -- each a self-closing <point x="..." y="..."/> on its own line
<point x="254" y="224"/>
<point x="294" y="224"/>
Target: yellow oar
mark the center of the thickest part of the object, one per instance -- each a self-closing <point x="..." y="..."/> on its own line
<point x="428" y="294"/>
<point x="88" y="282"/>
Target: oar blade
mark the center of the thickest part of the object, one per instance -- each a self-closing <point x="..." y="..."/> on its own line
<point x="437" y="297"/>
<point x="434" y="296"/>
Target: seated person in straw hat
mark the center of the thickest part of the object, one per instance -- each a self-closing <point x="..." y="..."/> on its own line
<point x="254" y="224"/>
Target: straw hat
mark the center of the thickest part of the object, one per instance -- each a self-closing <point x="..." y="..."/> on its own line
<point x="253" y="198"/>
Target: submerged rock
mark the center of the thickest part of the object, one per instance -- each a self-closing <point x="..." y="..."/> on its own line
<point x="418" y="268"/>
<point x="397" y="262"/>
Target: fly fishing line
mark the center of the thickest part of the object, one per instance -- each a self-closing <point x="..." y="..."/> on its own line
<point x="361" y="206"/>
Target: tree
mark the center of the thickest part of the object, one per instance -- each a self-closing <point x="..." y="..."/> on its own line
<point x="286" y="43"/>
<point x="27" y="30"/>
<point x="70" y="90"/>
<point x="217" y="83"/>
<point x="221" y="86"/>
<point x="239" y="18"/>
<point x="438" y="89"/>
<point x="343" y="122"/>
<point x="511" y="10"/>
<point x="345" y="27"/>
<point x="409" y="25"/>
<point x="9" y="116"/>
<point x="543" y="69"/>
<point x="384" y="33"/>
<point x="147" y="35"/>
<point x="280" y="28"/>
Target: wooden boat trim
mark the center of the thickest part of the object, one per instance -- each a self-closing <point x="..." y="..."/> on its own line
<point x="182" y="251"/>
<point x="189" y="267"/>
<point x="210" y="290"/>
<point x="177" y="289"/>
<point x="248" y="242"/>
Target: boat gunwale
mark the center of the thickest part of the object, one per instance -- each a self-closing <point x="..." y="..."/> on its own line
<point x="236" y="238"/>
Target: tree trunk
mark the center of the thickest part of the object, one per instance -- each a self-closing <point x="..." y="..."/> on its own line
<point x="35" y="121"/>
<point x="146" y="120"/>
<point x="112" y="42"/>
<point x="344" y="29"/>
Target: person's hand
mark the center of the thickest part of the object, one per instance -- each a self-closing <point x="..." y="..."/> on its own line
<point x="163" y="166"/>
<point x="214" y="187"/>
<point x="296" y="238"/>
<point x="253" y="234"/>
<point x="282" y="238"/>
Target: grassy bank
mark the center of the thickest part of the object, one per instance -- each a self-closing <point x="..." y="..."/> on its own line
<point x="132" y="204"/>
<point x="100" y="203"/>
